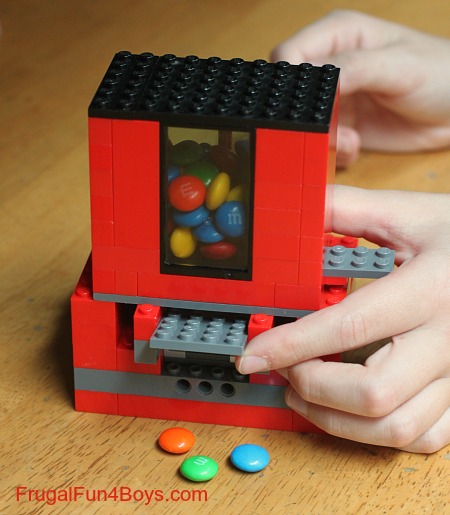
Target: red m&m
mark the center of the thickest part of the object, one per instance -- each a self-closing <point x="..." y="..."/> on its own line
<point x="186" y="193"/>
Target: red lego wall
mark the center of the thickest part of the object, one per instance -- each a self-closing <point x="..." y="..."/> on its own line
<point x="292" y="171"/>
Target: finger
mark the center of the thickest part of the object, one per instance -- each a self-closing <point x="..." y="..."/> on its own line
<point x="398" y="429"/>
<point x="348" y="145"/>
<point x="434" y="439"/>
<point x="390" y="377"/>
<point x="333" y="34"/>
<point x="363" y="317"/>
<point x="403" y="220"/>
<point x="362" y="46"/>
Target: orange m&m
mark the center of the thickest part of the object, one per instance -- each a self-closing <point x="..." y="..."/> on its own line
<point x="176" y="440"/>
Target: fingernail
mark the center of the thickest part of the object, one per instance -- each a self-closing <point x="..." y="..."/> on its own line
<point x="295" y="402"/>
<point x="252" y="364"/>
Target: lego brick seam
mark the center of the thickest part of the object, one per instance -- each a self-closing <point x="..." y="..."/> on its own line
<point x="202" y="306"/>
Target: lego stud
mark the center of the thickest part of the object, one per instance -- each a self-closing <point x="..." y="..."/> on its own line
<point x="260" y="319"/>
<point x="83" y="291"/>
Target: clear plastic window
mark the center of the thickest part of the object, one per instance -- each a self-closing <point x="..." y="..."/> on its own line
<point x="206" y="201"/>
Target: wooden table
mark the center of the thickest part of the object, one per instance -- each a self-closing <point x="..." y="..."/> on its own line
<point x="52" y="56"/>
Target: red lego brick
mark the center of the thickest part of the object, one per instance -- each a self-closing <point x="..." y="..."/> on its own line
<point x="201" y="289"/>
<point x="258" y="324"/>
<point x="94" y="346"/>
<point x="102" y="233"/>
<point x="301" y="425"/>
<point x="102" y="208"/>
<point x="100" y="160"/>
<point x="100" y="131"/>
<point x="136" y="183"/>
<point x="275" y="270"/>
<point x="311" y="249"/>
<point x="313" y="199"/>
<point x="333" y="294"/>
<point x="315" y="170"/>
<point x="330" y="240"/>
<point x="126" y="259"/>
<point x="278" y="196"/>
<point x="310" y="274"/>
<point x="96" y="402"/>
<point x="95" y="327"/>
<point x="205" y="412"/>
<point x="273" y="378"/>
<point x="103" y="280"/>
<point x="279" y="154"/>
<point x="276" y="246"/>
<point x="146" y="319"/>
<point x="100" y="156"/>
<point x="313" y="224"/>
<point x="297" y="297"/>
<point x="126" y="283"/>
<point x="100" y="170"/>
<point x="277" y="221"/>
<point x="88" y="311"/>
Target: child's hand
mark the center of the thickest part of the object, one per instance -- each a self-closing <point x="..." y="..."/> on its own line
<point x="401" y="396"/>
<point x="394" y="81"/>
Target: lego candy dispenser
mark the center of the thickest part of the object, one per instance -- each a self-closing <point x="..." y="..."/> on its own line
<point x="210" y="205"/>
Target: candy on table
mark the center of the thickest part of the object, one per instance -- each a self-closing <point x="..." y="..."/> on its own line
<point x="250" y="458"/>
<point x="199" y="468"/>
<point x="176" y="440"/>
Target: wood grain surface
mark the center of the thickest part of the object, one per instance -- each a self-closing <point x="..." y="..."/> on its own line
<point x="52" y="57"/>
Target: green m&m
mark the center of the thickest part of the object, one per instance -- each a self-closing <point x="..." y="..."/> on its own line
<point x="199" y="468"/>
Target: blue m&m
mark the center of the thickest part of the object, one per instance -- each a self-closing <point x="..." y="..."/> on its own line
<point x="190" y="218"/>
<point x="230" y="219"/>
<point x="207" y="233"/>
<point x="250" y="458"/>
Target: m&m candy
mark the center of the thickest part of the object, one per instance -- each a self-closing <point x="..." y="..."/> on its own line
<point x="230" y="219"/>
<point x="187" y="152"/>
<point x="176" y="440"/>
<point x="186" y="192"/>
<point x="217" y="191"/>
<point x="250" y="458"/>
<point x="182" y="243"/>
<point x="199" y="468"/>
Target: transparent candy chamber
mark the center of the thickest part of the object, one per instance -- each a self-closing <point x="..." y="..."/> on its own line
<point x="207" y="191"/>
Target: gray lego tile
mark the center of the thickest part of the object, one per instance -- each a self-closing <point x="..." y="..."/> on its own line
<point x="361" y="262"/>
<point x="195" y="333"/>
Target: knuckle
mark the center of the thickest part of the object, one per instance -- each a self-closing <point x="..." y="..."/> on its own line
<point x="353" y="329"/>
<point x="402" y="431"/>
<point x="377" y="397"/>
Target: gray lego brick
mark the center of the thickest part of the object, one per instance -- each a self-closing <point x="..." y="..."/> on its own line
<point x="144" y="354"/>
<point x="361" y="262"/>
<point x="202" y="306"/>
<point x="208" y="370"/>
<point x="111" y="381"/>
<point x="195" y="333"/>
